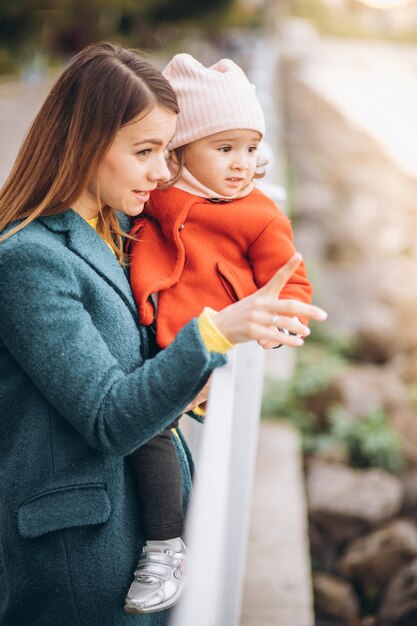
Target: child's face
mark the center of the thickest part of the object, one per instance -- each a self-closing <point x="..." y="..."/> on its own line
<point x="224" y="162"/>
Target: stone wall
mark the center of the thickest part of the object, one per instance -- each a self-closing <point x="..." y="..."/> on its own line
<point x="356" y="224"/>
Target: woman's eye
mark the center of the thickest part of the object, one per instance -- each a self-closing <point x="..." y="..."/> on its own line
<point x="253" y="149"/>
<point x="143" y="153"/>
<point x="225" y="149"/>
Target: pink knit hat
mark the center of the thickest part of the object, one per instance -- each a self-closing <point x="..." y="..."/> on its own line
<point x="211" y="99"/>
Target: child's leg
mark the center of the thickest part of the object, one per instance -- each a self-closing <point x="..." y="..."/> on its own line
<point x="159" y="576"/>
<point x="158" y="477"/>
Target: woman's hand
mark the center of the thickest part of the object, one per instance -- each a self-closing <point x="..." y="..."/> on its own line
<point x="258" y="316"/>
<point x="277" y="343"/>
<point x="201" y="398"/>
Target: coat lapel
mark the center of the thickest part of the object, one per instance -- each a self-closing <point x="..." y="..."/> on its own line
<point x="87" y="244"/>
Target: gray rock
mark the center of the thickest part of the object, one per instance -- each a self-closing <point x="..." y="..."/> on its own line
<point x="374" y="559"/>
<point x="330" y="533"/>
<point x="399" y="603"/>
<point x="334" y="597"/>
<point x="346" y="501"/>
<point x="409" y="481"/>
<point x="364" y="388"/>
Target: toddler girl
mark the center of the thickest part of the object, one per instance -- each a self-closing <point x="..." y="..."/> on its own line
<point x="208" y="241"/>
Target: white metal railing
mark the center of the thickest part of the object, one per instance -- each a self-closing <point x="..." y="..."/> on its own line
<point x="218" y="518"/>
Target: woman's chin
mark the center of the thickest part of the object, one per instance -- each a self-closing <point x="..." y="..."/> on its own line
<point x="133" y="211"/>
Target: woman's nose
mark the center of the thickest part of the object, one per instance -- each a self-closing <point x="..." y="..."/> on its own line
<point x="160" y="172"/>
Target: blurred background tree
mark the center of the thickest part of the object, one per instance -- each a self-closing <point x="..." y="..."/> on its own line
<point x="60" y="28"/>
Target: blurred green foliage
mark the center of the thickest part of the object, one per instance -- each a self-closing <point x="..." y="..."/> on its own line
<point x="60" y="28"/>
<point x="8" y="63"/>
<point x="370" y="442"/>
<point x="325" y="426"/>
<point x="316" y="365"/>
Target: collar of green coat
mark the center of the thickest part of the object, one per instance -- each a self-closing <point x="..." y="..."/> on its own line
<point x="65" y="221"/>
<point x="83" y="240"/>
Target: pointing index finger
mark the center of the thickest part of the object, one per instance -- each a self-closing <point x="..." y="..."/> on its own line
<point x="275" y="285"/>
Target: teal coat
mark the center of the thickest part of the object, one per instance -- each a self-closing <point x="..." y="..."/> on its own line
<point x="78" y="392"/>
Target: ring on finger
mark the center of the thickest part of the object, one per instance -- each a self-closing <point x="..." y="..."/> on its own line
<point x="275" y="320"/>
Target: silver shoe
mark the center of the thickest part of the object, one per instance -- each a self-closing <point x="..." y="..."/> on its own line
<point x="159" y="580"/>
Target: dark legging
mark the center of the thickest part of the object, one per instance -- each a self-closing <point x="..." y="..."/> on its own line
<point x="157" y="473"/>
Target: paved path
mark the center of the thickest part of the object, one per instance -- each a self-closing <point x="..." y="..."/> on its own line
<point x="374" y="85"/>
<point x="19" y="103"/>
<point x="277" y="590"/>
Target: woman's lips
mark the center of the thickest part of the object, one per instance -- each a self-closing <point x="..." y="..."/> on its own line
<point x="142" y="196"/>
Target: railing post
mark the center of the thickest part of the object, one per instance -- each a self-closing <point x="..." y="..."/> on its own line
<point x="218" y="519"/>
<point x="250" y="361"/>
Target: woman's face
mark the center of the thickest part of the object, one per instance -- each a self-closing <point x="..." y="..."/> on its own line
<point x="132" y="167"/>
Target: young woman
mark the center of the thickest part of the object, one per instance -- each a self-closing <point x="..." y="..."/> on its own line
<point x="81" y="382"/>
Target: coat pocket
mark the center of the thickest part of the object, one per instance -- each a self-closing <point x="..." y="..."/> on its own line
<point x="65" y="507"/>
<point x="230" y="281"/>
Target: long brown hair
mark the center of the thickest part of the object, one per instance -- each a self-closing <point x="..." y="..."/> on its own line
<point x="104" y="87"/>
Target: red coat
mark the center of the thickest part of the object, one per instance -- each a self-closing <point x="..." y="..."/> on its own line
<point x="197" y="253"/>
